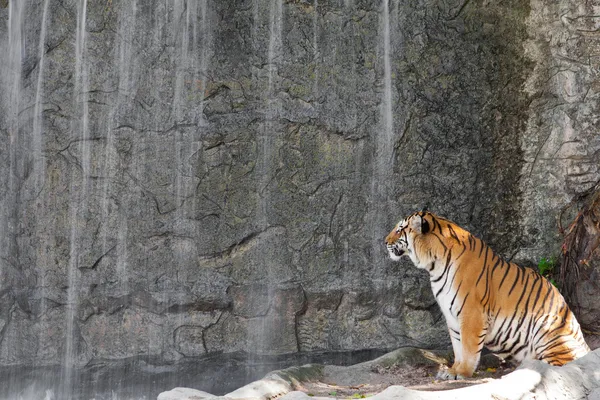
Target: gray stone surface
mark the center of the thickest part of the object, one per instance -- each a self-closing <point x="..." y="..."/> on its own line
<point x="183" y="178"/>
<point x="560" y="145"/>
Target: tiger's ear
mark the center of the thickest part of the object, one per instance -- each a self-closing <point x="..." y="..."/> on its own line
<point x="424" y="226"/>
<point x="419" y="224"/>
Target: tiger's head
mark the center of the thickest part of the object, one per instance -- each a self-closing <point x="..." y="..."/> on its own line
<point x="401" y="240"/>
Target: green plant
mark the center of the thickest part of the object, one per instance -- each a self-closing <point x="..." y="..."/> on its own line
<point x="546" y="268"/>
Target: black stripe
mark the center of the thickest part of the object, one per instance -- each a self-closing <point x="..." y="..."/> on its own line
<point x="441" y="242"/>
<point x="514" y="285"/>
<point x="496" y="339"/>
<point x="517" y="305"/>
<point x="483" y="269"/>
<point x="482" y="246"/>
<point x="526" y="308"/>
<point x="471" y="241"/>
<point x="452" y="233"/>
<point x="544" y="319"/>
<point x="552" y="343"/>
<point x="446" y="268"/>
<point x="462" y="252"/>
<point x="496" y="265"/>
<point x="562" y="353"/>
<point x="504" y="277"/>
<point x="436" y="225"/>
<point x="454" y="298"/>
<point x="463" y="304"/>
<point x="546" y="315"/>
<point x="445" y="280"/>
<point x="551" y="332"/>
<point x="523" y="270"/>
<point x="536" y="299"/>
<point x="520" y="348"/>
<point x="508" y="334"/>
<point x="515" y="343"/>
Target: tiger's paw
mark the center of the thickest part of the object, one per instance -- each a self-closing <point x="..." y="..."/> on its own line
<point x="448" y="374"/>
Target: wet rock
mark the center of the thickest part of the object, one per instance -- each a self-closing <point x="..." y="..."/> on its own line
<point x="263" y="320"/>
<point x="193" y="177"/>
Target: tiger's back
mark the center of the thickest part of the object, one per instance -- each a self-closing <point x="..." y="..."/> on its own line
<point x="486" y="300"/>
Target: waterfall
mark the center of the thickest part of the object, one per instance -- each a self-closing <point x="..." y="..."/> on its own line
<point x="125" y="58"/>
<point x="191" y="64"/>
<point x="79" y="193"/>
<point x="384" y="145"/>
<point x="12" y="96"/>
<point x="38" y="142"/>
<point x="315" y="39"/>
<point x="266" y="142"/>
<point x="204" y="57"/>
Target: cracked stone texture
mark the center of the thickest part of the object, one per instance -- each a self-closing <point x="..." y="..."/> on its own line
<point x="561" y="145"/>
<point x="214" y="176"/>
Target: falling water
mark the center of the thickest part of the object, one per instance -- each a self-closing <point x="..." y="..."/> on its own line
<point x="79" y="192"/>
<point x="315" y="39"/>
<point x="126" y="61"/>
<point x="204" y="57"/>
<point x="256" y="22"/>
<point x="383" y="147"/>
<point x="13" y="95"/>
<point x="38" y="157"/>
<point x="182" y="58"/>
<point x="186" y="65"/>
<point x="387" y="137"/>
<point x="267" y="139"/>
<point x="15" y="40"/>
<point x="39" y="164"/>
<point x="265" y="162"/>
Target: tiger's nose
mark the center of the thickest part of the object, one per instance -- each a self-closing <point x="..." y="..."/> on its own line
<point x="391" y="238"/>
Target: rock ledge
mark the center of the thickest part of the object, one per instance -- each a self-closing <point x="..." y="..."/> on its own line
<point x="533" y="379"/>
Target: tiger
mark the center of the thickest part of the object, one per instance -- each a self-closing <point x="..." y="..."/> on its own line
<point x="487" y="301"/>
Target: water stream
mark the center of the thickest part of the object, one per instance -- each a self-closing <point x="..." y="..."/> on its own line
<point x="39" y="164"/>
<point x="315" y="44"/>
<point x="267" y="139"/>
<point x="261" y="336"/>
<point x="79" y="197"/>
<point x="381" y="189"/>
<point x="12" y="98"/>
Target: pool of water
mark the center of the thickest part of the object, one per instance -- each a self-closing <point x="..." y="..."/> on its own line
<point x="140" y="378"/>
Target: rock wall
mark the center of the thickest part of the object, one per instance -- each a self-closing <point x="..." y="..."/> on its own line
<point x="189" y="177"/>
<point x="561" y="145"/>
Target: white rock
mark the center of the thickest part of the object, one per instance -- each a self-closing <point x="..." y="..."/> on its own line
<point x="184" y="394"/>
<point x="263" y="389"/>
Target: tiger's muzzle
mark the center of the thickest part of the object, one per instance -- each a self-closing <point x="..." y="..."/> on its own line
<point x="395" y="251"/>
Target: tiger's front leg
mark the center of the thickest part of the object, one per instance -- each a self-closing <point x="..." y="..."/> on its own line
<point x="467" y="345"/>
